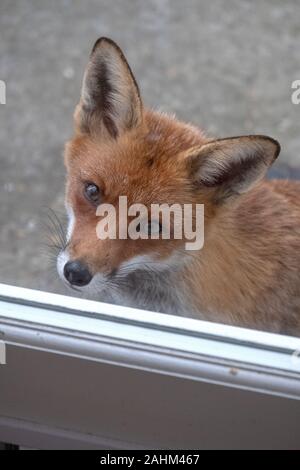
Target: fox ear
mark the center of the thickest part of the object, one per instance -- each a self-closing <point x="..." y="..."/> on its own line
<point x="110" y="99"/>
<point x="232" y="166"/>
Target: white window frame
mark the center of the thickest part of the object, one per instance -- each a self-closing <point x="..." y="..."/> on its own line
<point x="184" y="353"/>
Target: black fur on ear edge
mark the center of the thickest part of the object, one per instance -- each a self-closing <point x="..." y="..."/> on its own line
<point x="232" y="165"/>
<point x="110" y="96"/>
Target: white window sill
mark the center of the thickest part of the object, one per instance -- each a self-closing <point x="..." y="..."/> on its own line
<point x="48" y="329"/>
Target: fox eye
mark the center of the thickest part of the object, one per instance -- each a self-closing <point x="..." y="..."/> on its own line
<point x="92" y="192"/>
<point x="154" y="228"/>
<point x="151" y="228"/>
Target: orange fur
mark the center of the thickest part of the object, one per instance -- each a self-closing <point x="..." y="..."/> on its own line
<point x="247" y="273"/>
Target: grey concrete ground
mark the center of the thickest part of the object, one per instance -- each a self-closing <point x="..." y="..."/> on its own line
<point x="226" y="65"/>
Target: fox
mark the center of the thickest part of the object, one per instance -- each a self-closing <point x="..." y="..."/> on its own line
<point x="247" y="272"/>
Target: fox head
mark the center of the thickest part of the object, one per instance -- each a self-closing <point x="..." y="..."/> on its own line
<point x="122" y="149"/>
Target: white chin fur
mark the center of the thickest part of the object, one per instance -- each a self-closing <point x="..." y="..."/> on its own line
<point x="149" y="262"/>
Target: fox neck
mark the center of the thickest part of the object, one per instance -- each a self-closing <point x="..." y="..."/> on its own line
<point x="249" y="255"/>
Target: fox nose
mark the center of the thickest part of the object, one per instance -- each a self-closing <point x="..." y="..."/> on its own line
<point x="77" y="273"/>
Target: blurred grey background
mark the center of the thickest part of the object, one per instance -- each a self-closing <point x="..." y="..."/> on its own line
<point x="226" y="65"/>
